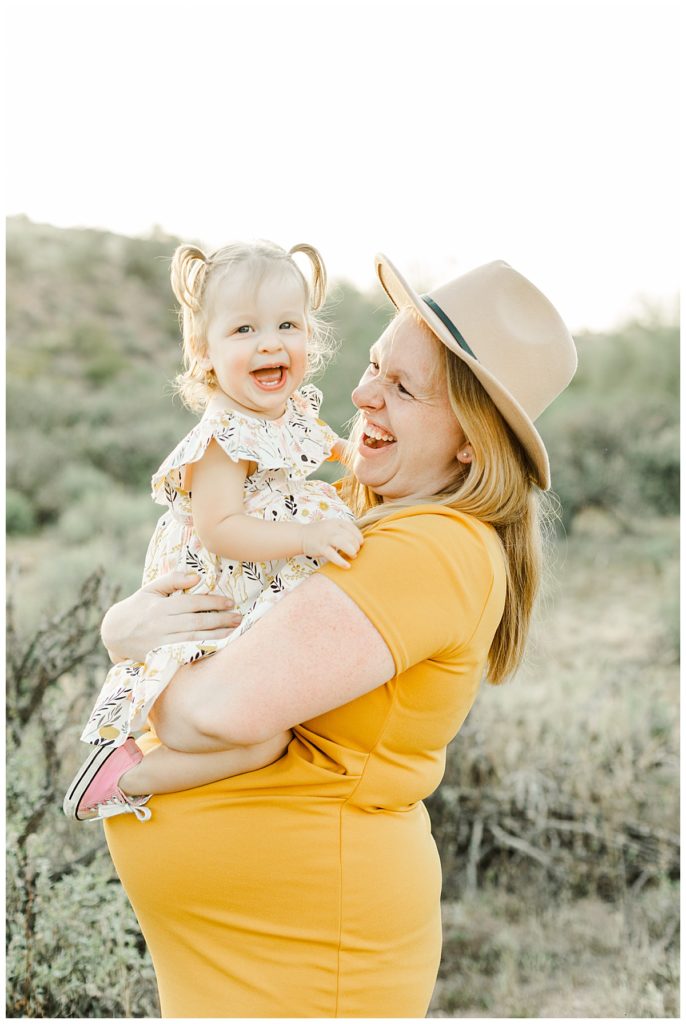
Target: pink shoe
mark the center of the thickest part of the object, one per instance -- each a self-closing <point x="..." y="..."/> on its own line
<point x="94" y="791"/>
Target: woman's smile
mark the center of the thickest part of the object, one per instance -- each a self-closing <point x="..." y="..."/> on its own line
<point x="375" y="437"/>
<point x="409" y="436"/>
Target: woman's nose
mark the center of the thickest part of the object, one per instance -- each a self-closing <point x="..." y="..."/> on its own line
<point x="367" y="395"/>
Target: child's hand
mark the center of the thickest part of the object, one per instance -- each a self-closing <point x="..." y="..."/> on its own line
<point x="340" y="450"/>
<point x="328" y="537"/>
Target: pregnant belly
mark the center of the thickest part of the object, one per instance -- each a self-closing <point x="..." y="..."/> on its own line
<point x="279" y="903"/>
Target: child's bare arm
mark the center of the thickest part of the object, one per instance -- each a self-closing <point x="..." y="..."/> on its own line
<point x="221" y="523"/>
<point x="223" y="527"/>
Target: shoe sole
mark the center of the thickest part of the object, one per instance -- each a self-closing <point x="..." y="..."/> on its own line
<point x="82" y="780"/>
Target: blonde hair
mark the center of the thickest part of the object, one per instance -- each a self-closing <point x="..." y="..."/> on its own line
<point x="192" y="271"/>
<point x="496" y="487"/>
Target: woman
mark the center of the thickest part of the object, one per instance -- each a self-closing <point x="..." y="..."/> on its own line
<point x="311" y="887"/>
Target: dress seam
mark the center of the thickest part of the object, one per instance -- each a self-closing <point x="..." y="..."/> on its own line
<point x="347" y="800"/>
<point x="340" y="907"/>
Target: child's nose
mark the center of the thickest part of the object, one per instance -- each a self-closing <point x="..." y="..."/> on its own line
<point x="270" y="343"/>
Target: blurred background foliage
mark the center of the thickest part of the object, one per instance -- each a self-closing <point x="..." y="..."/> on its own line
<point x="559" y="811"/>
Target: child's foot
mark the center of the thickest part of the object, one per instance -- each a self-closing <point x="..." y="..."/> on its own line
<point x="94" y="791"/>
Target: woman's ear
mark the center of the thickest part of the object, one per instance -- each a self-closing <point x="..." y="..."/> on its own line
<point x="465" y="453"/>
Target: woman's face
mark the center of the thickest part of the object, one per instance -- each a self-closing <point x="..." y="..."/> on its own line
<point x="411" y="437"/>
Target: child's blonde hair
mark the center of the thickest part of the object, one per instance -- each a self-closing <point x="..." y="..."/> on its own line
<point x="192" y="270"/>
<point x="496" y="487"/>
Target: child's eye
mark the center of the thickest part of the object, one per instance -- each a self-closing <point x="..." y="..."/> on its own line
<point x="373" y="366"/>
<point x="404" y="391"/>
<point x="243" y="329"/>
<point x="287" y="324"/>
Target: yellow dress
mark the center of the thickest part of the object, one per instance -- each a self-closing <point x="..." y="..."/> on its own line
<point x="311" y="888"/>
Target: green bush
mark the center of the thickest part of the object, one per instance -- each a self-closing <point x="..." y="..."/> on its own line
<point x="73" y="944"/>
<point x="118" y="515"/>
<point x="83" y="955"/>
<point x="19" y="512"/>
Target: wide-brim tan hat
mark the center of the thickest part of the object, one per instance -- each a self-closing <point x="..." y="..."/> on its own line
<point x="509" y="334"/>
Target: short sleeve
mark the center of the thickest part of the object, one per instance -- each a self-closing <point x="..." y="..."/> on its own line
<point x="240" y="437"/>
<point x="424" y="577"/>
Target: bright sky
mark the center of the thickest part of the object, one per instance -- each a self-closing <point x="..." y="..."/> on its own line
<point x="444" y="134"/>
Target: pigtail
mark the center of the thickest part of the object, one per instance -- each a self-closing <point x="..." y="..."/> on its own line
<point x="188" y="272"/>
<point x="318" y="287"/>
<point x="188" y="279"/>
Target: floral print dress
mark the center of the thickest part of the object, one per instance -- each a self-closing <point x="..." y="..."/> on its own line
<point x="285" y="452"/>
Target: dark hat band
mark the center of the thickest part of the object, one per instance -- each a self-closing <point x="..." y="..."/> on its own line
<point x="447" y="322"/>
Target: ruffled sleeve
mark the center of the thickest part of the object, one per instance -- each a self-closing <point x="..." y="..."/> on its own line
<point x="306" y="401"/>
<point x="242" y="438"/>
<point x="297" y="444"/>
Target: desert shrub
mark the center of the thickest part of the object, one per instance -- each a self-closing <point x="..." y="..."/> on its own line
<point x="77" y="480"/>
<point x="33" y="465"/>
<point x="73" y="945"/>
<point x="19" y="513"/>
<point x="149" y="261"/>
<point x="613" y="436"/>
<point x="610" y="463"/>
<point x="118" y="514"/>
<point x="99" y="358"/>
<point x="567" y="776"/>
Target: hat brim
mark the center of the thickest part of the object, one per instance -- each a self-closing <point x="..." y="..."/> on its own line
<point x="402" y="295"/>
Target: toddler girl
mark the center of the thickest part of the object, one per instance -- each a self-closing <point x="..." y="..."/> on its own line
<point x="240" y="509"/>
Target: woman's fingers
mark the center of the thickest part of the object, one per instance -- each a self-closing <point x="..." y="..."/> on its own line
<point x="172" y="582"/>
<point x="192" y="604"/>
<point x="195" y="622"/>
<point x="207" y="636"/>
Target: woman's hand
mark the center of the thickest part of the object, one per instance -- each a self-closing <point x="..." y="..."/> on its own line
<point x="161" y="613"/>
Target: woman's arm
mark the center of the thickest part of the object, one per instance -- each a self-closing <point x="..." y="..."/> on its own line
<point x="316" y="650"/>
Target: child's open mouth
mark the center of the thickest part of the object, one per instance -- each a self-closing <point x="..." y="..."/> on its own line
<point x="270" y="378"/>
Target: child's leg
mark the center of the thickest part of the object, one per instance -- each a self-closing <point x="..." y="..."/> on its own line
<point x="168" y="771"/>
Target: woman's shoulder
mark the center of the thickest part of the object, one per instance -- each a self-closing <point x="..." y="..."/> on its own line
<point x="425" y="577"/>
<point x="432" y="534"/>
<point x="441" y="524"/>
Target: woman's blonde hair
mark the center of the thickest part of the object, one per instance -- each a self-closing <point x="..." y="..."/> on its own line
<point x="192" y="272"/>
<point x="497" y="488"/>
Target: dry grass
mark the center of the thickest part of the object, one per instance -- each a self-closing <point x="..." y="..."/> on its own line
<point x="509" y="956"/>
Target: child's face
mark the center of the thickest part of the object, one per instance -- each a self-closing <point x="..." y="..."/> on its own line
<point x="257" y="338"/>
